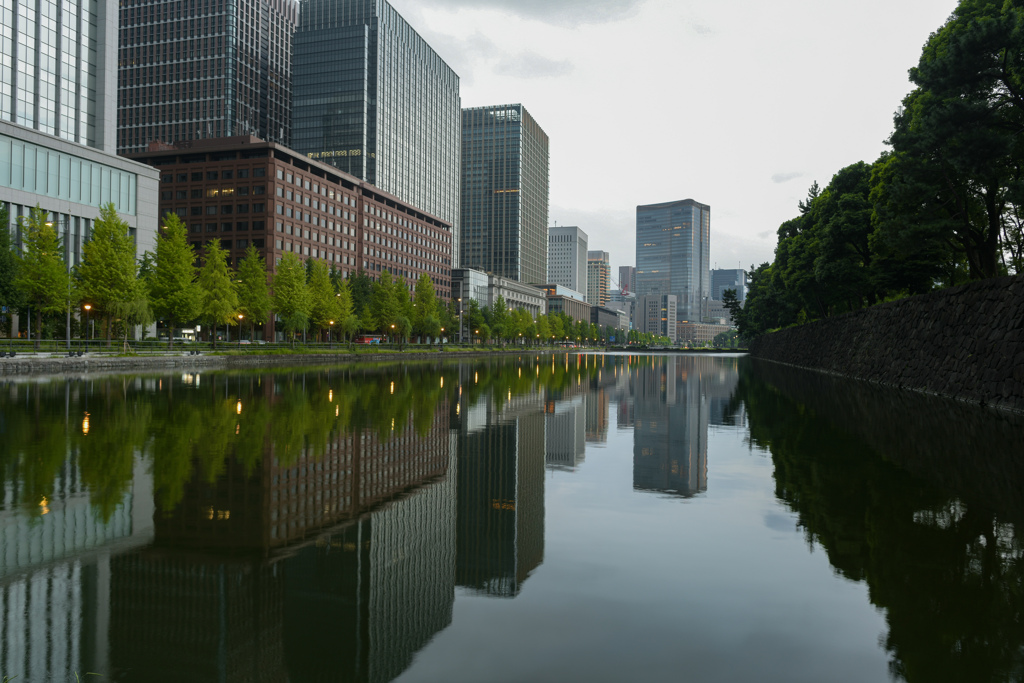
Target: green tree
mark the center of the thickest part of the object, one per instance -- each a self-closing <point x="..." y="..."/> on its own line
<point x="291" y="300"/>
<point x="10" y="296"/>
<point x="173" y="291"/>
<point x="218" y="303"/>
<point x="347" y="322"/>
<point x="383" y="306"/>
<point x="253" y="290"/>
<point x="544" y="329"/>
<point x="108" y="277"/>
<point x="957" y="136"/>
<point x="402" y="328"/>
<point x="360" y="287"/>
<point x="42" y="274"/>
<point x="403" y="302"/>
<point x="324" y="308"/>
<point x="426" y="306"/>
<point x="499" y="322"/>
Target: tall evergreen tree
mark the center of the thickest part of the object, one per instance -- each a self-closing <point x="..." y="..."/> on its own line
<point x="291" y="295"/>
<point x="323" y="300"/>
<point x="253" y="289"/>
<point x="173" y="290"/>
<point x="218" y="303"/>
<point x="383" y="308"/>
<point x="108" y="277"/>
<point x="42" y="274"/>
<point x="426" y="306"/>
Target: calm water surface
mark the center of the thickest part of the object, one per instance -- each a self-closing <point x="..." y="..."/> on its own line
<point x="576" y="518"/>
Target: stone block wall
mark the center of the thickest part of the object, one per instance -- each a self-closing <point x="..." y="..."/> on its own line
<point x="966" y="343"/>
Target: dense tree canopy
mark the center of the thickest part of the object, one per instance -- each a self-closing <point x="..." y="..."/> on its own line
<point x="943" y="206"/>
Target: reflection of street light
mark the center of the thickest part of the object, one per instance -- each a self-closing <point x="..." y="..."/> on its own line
<point x="87" y="307"/>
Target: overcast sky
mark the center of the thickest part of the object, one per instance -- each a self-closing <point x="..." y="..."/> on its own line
<point x="740" y="105"/>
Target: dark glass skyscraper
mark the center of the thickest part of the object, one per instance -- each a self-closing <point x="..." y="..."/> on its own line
<point x="193" y="69"/>
<point x="673" y="252"/>
<point x="505" y="193"/>
<point x="373" y="99"/>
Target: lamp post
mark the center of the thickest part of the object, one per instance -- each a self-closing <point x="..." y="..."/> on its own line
<point x="87" y="307"/>
<point x="240" y="318"/>
<point x="460" y="320"/>
<point x="392" y="333"/>
<point x="330" y="335"/>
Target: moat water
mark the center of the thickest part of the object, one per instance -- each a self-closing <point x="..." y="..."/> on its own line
<point x="569" y="518"/>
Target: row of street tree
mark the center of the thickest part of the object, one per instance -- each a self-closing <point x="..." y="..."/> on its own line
<point x="170" y="285"/>
<point x="943" y="206"/>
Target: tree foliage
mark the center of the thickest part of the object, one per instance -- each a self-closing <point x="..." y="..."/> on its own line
<point x="108" y="277"/>
<point x="291" y="300"/>
<point x="173" y="290"/>
<point x="253" y="290"/>
<point x="218" y="302"/>
<point x="42" y="274"/>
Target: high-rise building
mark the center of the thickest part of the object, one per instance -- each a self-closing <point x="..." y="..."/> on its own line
<point x="194" y="69"/>
<point x="58" y="82"/>
<point x="627" y="279"/>
<point x="656" y="314"/>
<point x="722" y="280"/>
<point x="504" y="193"/>
<point x="373" y="99"/>
<point x="673" y="250"/>
<point x="598" y="273"/>
<point x="567" y="257"/>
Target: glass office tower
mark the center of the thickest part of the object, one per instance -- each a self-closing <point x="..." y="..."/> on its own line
<point x="196" y="69"/>
<point x="673" y="252"/>
<point x="57" y="68"/>
<point x="58" y="84"/>
<point x="505" y="193"/>
<point x="373" y="99"/>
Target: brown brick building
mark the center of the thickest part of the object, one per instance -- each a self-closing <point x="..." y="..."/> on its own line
<point x="244" y="191"/>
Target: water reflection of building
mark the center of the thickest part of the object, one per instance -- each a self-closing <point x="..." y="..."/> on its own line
<point x="360" y="603"/>
<point x="335" y="567"/>
<point x="565" y="430"/>
<point x="500" y="509"/>
<point x="55" y="575"/>
<point x="670" y="432"/>
<point x="283" y="502"/>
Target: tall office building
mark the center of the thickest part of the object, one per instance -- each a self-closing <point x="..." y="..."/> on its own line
<point x="567" y="257"/>
<point x="373" y="99"/>
<point x="735" y="278"/>
<point x="194" y="69"/>
<point x="58" y="80"/>
<point x="627" y="279"/>
<point x="599" y="271"/>
<point x="504" y="193"/>
<point x="673" y="252"/>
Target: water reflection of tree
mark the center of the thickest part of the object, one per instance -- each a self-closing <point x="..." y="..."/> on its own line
<point x="181" y="423"/>
<point x="947" y="571"/>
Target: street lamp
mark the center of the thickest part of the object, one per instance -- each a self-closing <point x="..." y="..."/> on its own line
<point x="392" y="333"/>
<point x="240" y="317"/>
<point x="460" y="319"/>
<point x="87" y="307"/>
<point x="330" y="335"/>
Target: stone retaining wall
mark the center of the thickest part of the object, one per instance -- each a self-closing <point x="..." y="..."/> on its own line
<point x="966" y="343"/>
